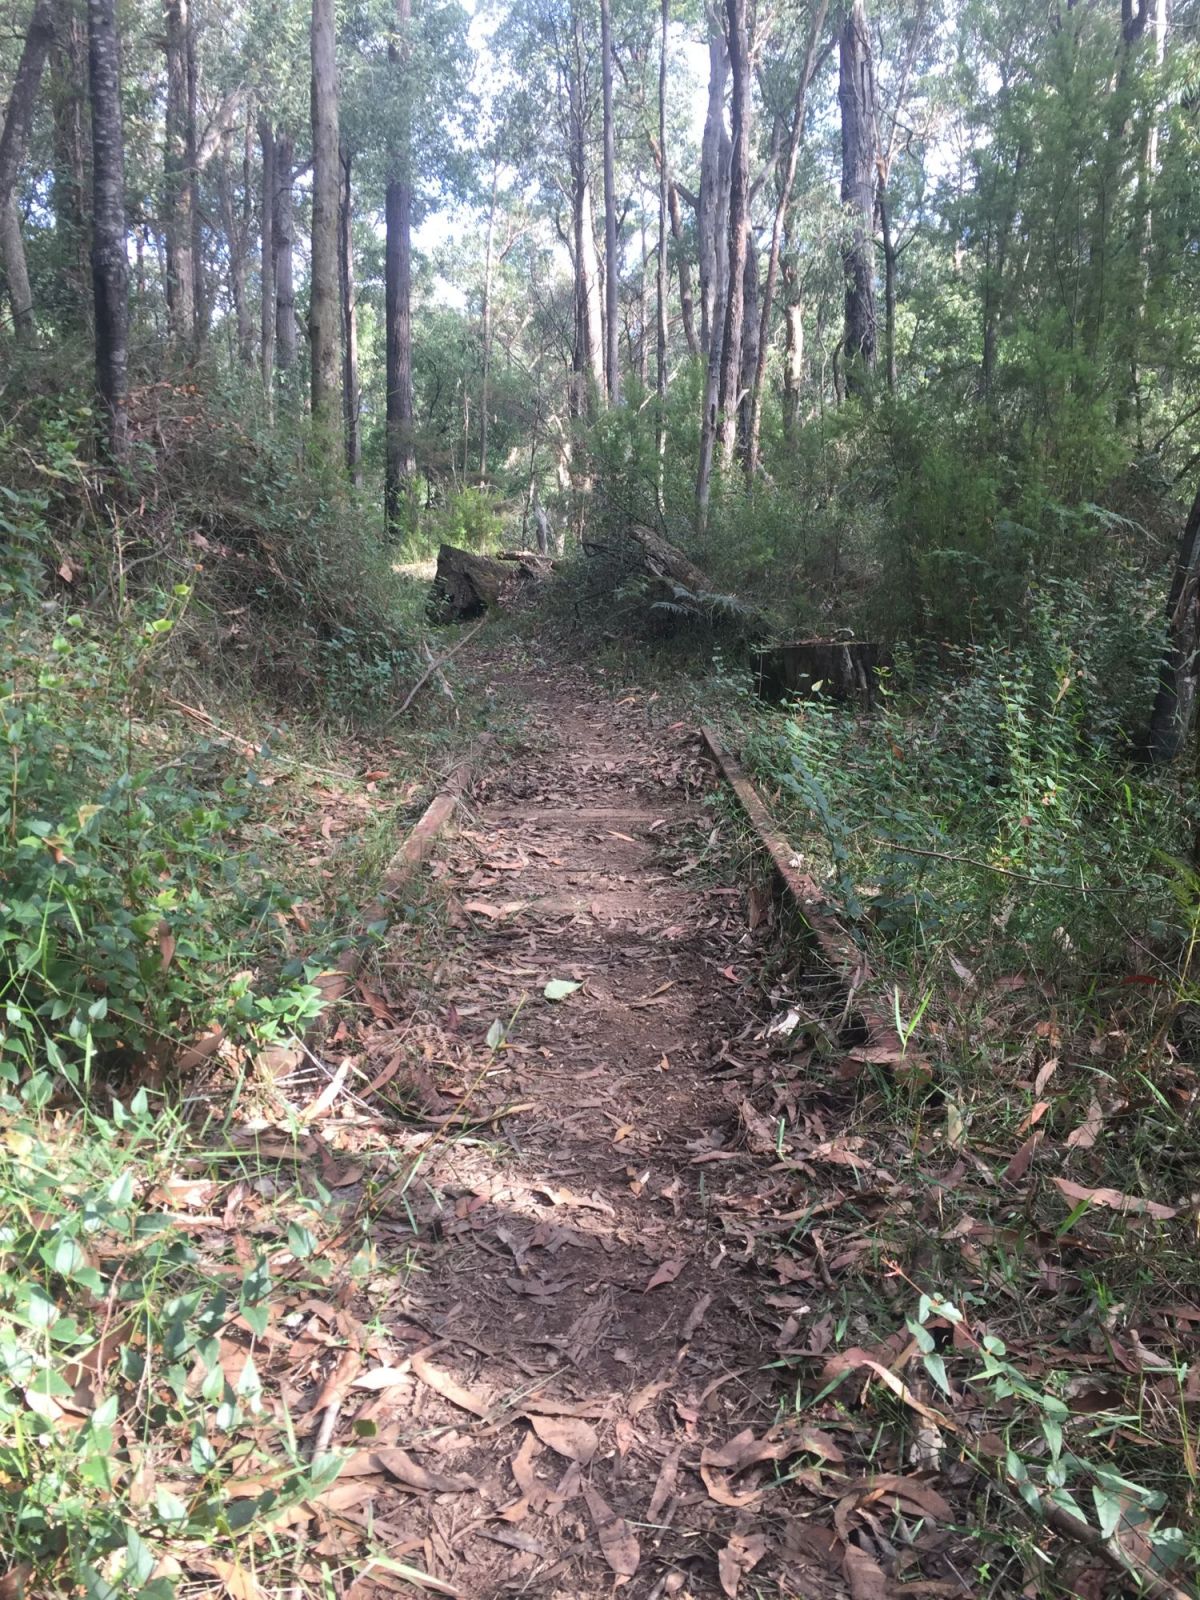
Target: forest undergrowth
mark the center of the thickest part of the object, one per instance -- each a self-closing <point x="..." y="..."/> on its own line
<point x="205" y="781"/>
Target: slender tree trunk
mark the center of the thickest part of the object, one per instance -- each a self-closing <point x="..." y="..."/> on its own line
<point x="739" y="191"/>
<point x="750" y="352"/>
<point x="612" y="275"/>
<point x="664" y="206"/>
<point x="199" y="332"/>
<point x="323" y="281"/>
<point x="588" y="356"/>
<point x="1173" y="716"/>
<point x="235" y="233"/>
<point x="793" y="364"/>
<point x="712" y="207"/>
<point x="687" y="306"/>
<point x="399" y="463"/>
<point x="890" y="259"/>
<point x="485" y="326"/>
<point x="110" y="263"/>
<point x="71" y="182"/>
<point x="266" y="271"/>
<point x="283" y="241"/>
<point x="855" y="95"/>
<point x="795" y="136"/>
<point x="177" y="187"/>
<point x="16" y="272"/>
<point x="351" y="395"/>
<point x="14" y="142"/>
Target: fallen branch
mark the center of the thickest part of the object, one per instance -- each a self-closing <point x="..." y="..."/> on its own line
<point x="836" y="946"/>
<point x="434" y="666"/>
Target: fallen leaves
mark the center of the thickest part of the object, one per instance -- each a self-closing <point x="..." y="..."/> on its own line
<point x="618" y="1544"/>
<point x="448" y="1387"/>
<point x="1114" y="1200"/>
<point x="571" y="1437"/>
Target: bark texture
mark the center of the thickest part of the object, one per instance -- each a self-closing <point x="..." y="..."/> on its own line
<point x="283" y="243"/>
<point x="178" y="161"/>
<point x="266" y="139"/>
<point x="856" y="98"/>
<point x="14" y="142"/>
<point x="739" y="219"/>
<point x="110" y="264"/>
<point x="399" y="463"/>
<point x="612" y="280"/>
<point x="324" y="299"/>
<point x="351" y="395"/>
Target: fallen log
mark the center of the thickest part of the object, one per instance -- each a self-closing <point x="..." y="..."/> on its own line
<point x="466" y="585"/>
<point x="844" y="669"/>
<point x="667" y="563"/>
<point x="880" y="1043"/>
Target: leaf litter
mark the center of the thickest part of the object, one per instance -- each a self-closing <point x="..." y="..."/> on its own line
<point x="764" y="1168"/>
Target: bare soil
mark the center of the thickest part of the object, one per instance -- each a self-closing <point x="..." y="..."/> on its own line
<point x="583" y="1316"/>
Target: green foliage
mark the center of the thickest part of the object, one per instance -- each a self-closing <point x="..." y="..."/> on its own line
<point x="469" y="518"/>
<point x="988" y="772"/>
<point x="126" y="1410"/>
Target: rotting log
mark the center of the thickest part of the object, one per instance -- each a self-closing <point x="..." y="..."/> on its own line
<point x="667" y="563"/>
<point x="464" y="586"/>
<point x="416" y="848"/>
<point x="881" y="1043"/>
<point x="845" y="669"/>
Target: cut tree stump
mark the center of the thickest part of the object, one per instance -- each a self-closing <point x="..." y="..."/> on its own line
<point x="466" y="586"/>
<point x="842" y="668"/>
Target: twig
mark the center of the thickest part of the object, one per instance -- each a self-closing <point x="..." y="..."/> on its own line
<point x="1007" y="872"/>
<point x="430" y="670"/>
<point x="248" y="746"/>
<point x="328" y="1423"/>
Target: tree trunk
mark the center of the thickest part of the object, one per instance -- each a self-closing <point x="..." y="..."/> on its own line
<point x="687" y="307"/>
<point x="588" y="358"/>
<point x="177" y="188"/>
<point x="612" y="277"/>
<point x="793" y="365"/>
<point x="71" y="182"/>
<point x="855" y="95"/>
<point x="323" y="281"/>
<point x="110" y="263"/>
<point x="266" y="138"/>
<point x="782" y="204"/>
<point x="16" y="272"/>
<point x="664" y="205"/>
<point x="890" y="259"/>
<point x="750" y="349"/>
<point x="485" y="326"/>
<point x="351" y="394"/>
<point x="712" y="205"/>
<point x="235" y="233"/>
<point x="739" y="194"/>
<point x="399" y="463"/>
<point x="14" y="141"/>
<point x="283" y="240"/>
<point x="1174" y="713"/>
<point x="199" y="331"/>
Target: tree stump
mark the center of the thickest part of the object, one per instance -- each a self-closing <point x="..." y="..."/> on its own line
<point x="841" y="668"/>
<point x="464" y="586"/>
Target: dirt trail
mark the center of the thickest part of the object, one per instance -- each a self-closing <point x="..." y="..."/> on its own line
<point x="585" y="1322"/>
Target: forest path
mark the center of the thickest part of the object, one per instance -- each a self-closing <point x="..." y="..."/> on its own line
<point x="585" y="1322"/>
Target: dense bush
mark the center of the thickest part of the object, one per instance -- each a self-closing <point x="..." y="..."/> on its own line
<point x="992" y="788"/>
